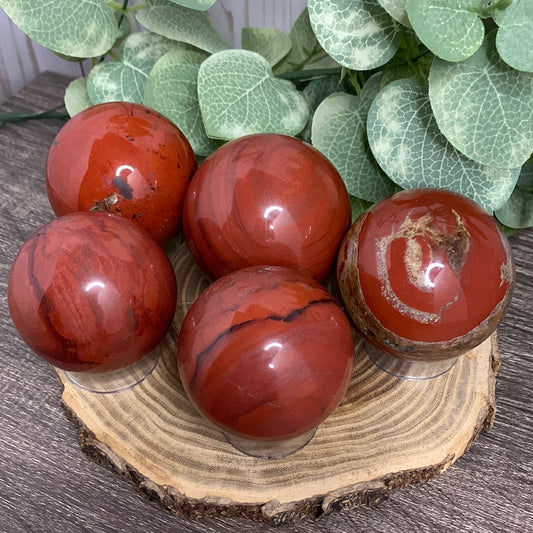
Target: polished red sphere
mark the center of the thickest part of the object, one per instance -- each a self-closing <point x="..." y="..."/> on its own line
<point x="91" y="292"/>
<point x="125" y="159"/>
<point x="425" y="274"/>
<point x="265" y="353"/>
<point x="266" y="199"/>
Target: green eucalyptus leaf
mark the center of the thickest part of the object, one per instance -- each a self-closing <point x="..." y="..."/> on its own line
<point x="76" y="96"/>
<point x="484" y="107"/>
<point x="339" y="132"/>
<point x="272" y="44"/>
<point x="451" y="29"/>
<point x="125" y="80"/>
<point x="514" y="40"/>
<point x="239" y="95"/>
<point x="358" y="205"/>
<point x="125" y="28"/>
<point x="200" y="5"/>
<point x="517" y="212"/>
<point x="371" y="89"/>
<point x="406" y="141"/>
<point x="181" y="24"/>
<point x="85" y="28"/>
<point x="315" y="91"/>
<point x="171" y="89"/>
<point x="397" y="9"/>
<point x="306" y="52"/>
<point x="358" y="34"/>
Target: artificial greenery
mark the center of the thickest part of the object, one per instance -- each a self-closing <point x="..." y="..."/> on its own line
<point x="397" y="93"/>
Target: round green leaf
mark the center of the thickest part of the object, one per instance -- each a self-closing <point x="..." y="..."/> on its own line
<point x="272" y="44"/>
<point x="517" y="212"/>
<point x="397" y="9"/>
<point x="124" y="30"/>
<point x="125" y="80"/>
<point x="315" y="91"/>
<point x="484" y="107"/>
<point x="76" y="96"/>
<point x="306" y="52"/>
<point x="239" y="95"/>
<point x="85" y="28"/>
<point x="181" y="24"/>
<point x="451" y="29"/>
<point x="201" y="5"/>
<point x="171" y="89"/>
<point x="358" y="34"/>
<point x="405" y="139"/>
<point x="514" y="39"/>
<point x="339" y="132"/>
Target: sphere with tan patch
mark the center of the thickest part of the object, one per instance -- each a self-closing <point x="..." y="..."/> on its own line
<point x="425" y="274"/>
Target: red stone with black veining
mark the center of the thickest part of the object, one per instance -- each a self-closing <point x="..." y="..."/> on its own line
<point x="425" y="274"/>
<point x="266" y="199"/>
<point x="91" y="292"/>
<point x="125" y="159"/>
<point x="265" y="353"/>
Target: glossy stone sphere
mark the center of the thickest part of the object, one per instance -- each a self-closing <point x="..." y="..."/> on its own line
<point x="91" y="292"/>
<point x="124" y="159"/>
<point x="265" y="353"/>
<point x="266" y="199"/>
<point x="425" y="274"/>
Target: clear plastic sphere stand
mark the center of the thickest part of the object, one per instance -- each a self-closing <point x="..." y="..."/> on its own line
<point x="117" y="380"/>
<point x="414" y="370"/>
<point x="270" y="449"/>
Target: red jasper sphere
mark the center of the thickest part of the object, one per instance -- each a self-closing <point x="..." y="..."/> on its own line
<point x="91" y="292"/>
<point x="265" y="353"/>
<point x="125" y="159"/>
<point x="266" y="199"/>
<point x="425" y="274"/>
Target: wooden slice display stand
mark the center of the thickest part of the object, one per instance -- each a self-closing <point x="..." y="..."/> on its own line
<point x="386" y="434"/>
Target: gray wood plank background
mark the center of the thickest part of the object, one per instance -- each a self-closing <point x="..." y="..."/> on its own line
<point x="48" y="485"/>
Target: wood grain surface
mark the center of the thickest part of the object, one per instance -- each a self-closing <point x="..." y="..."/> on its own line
<point x="387" y="433"/>
<point x="47" y="484"/>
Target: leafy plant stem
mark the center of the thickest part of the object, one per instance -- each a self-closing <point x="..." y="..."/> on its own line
<point x="357" y="78"/>
<point x="22" y="116"/>
<point x="409" y="61"/>
<point x="118" y="6"/>
<point x="487" y="9"/>
<point x="309" y="73"/>
<point x="124" y="8"/>
<point x="113" y="55"/>
<point x="123" y="12"/>
<point x="311" y="55"/>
